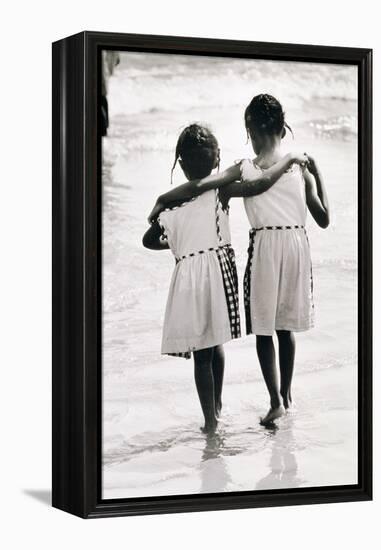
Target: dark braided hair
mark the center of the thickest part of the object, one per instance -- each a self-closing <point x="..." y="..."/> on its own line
<point x="265" y="116"/>
<point x="198" y="150"/>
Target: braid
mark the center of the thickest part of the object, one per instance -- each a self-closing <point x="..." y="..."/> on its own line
<point x="173" y="167"/>
<point x="290" y="129"/>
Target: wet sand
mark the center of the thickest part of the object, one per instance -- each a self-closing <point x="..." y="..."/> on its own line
<point x="312" y="446"/>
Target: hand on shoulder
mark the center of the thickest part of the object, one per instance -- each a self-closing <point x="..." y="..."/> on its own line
<point x="248" y="169"/>
<point x="299" y="158"/>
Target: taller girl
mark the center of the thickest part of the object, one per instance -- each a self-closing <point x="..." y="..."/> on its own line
<point x="278" y="279"/>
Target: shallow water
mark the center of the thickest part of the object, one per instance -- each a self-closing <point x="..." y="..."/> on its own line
<point x="152" y="444"/>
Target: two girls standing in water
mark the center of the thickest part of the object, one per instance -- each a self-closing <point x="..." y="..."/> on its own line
<point x="202" y="310"/>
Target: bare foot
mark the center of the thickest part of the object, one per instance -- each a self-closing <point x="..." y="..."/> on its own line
<point x="272" y="415"/>
<point x="291" y="409"/>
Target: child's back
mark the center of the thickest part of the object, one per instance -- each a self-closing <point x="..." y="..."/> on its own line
<point x="193" y="226"/>
<point x="202" y="307"/>
<point x="283" y="204"/>
<point x="202" y="310"/>
<point x="278" y="278"/>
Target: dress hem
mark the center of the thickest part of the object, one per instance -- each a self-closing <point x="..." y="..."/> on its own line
<point x="264" y="332"/>
<point x="204" y="345"/>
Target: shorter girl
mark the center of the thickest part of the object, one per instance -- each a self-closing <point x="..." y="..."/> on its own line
<point x="202" y="310"/>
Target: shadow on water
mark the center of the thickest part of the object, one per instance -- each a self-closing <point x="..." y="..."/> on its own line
<point x="42" y="495"/>
<point x="283" y="463"/>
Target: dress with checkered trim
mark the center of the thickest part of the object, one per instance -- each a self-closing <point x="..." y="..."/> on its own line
<point x="278" y="284"/>
<point x="202" y="308"/>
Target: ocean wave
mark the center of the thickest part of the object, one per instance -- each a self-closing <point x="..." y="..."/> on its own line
<point x="343" y="127"/>
<point x="342" y="264"/>
<point x="156" y="82"/>
<point x="329" y="363"/>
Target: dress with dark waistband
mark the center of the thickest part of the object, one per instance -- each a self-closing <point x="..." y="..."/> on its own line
<point x="202" y="308"/>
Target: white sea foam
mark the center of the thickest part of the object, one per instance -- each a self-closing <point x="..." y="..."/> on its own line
<point x="147" y="89"/>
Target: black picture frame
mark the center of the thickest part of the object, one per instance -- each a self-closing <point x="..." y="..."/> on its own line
<point x="77" y="388"/>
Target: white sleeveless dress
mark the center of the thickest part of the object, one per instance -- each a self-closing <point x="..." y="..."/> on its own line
<point x="278" y="285"/>
<point x="202" y="307"/>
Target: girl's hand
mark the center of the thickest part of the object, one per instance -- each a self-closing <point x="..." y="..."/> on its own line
<point x="300" y="158"/>
<point x="155" y="212"/>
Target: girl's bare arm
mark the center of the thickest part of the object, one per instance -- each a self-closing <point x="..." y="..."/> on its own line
<point x="316" y="195"/>
<point x="260" y="183"/>
<point x="255" y="186"/>
<point x="192" y="189"/>
<point x="153" y="239"/>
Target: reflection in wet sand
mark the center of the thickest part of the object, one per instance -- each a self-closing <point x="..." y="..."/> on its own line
<point x="214" y="472"/>
<point x="283" y="463"/>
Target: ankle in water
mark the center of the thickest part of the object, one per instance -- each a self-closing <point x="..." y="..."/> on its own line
<point x="273" y="414"/>
<point x="210" y="425"/>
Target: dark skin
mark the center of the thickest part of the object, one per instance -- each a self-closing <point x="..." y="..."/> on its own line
<point x="218" y="367"/>
<point x="318" y="205"/>
<point x="267" y="149"/>
<point x="266" y="357"/>
<point x="153" y="239"/>
<point x="209" y="363"/>
<point x="227" y="182"/>
<point x="286" y="347"/>
<point x="316" y="195"/>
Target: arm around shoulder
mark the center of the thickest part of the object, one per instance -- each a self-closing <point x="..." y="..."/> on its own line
<point x="255" y="181"/>
<point x="193" y="188"/>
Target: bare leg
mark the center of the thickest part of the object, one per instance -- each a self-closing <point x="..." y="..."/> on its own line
<point x="286" y="340"/>
<point x="218" y="367"/>
<point x="203" y="375"/>
<point x="266" y="356"/>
